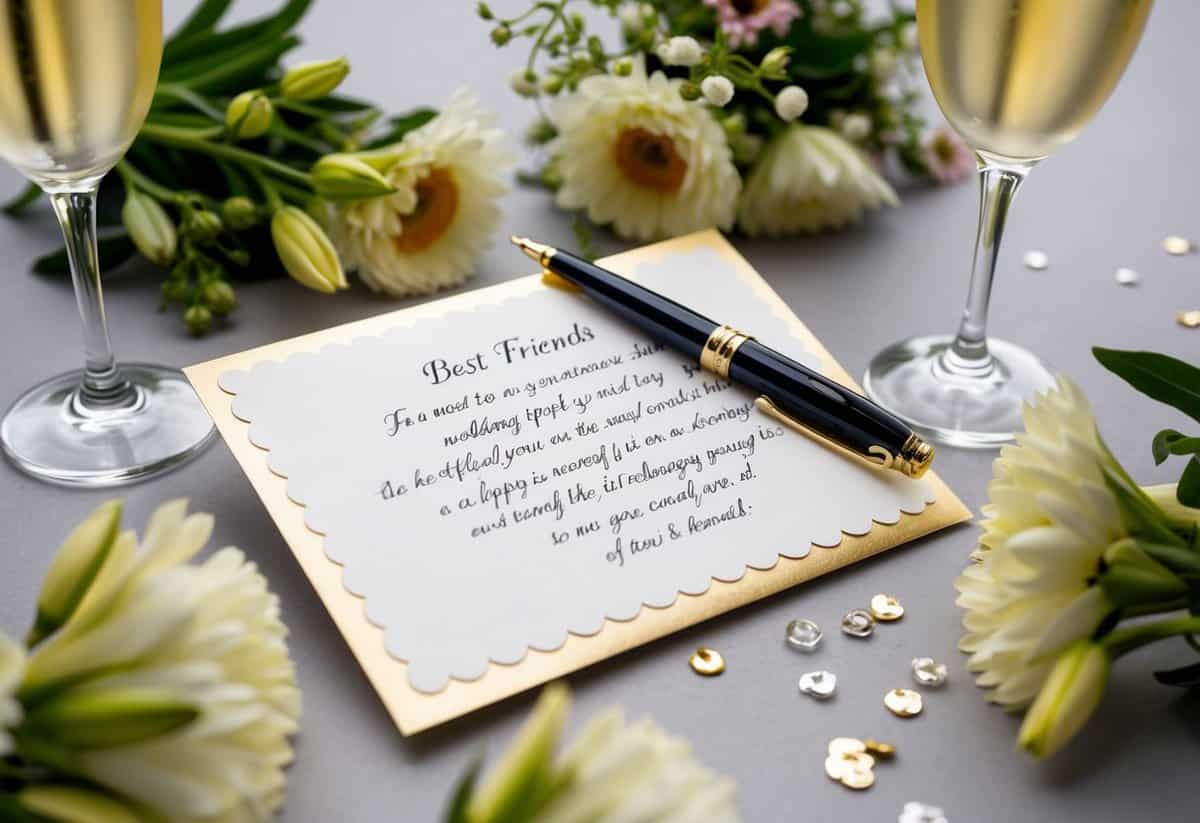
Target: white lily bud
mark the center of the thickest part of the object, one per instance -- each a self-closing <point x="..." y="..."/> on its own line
<point x="113" y="717"/>
<point x="348" y="177"/>
<point x="1067" y="699"/>
<point x="312" y="81"/>
<point x="151" y="230"/>
<point x="74" y="805"/>
<point x="306" y="251"/>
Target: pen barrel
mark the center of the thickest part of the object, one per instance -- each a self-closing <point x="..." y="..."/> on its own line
<point x="663" y="319"/>
<point x="821" y="405"/>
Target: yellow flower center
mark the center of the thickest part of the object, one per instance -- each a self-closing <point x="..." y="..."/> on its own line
<point x="749" y="7"/>
<point x="437" y="205"/>
<point x="650" y="160"/>
<point x="943" y="149"/>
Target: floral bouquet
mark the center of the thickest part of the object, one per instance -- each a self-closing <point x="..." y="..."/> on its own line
<point x="246" y="168"/>
<point x="1077" y="564"/>
<point x="776" y="116"/>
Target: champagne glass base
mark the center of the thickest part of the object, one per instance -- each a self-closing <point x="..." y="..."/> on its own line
<point x="50" y="435"/>
<point x="917" y="380"/>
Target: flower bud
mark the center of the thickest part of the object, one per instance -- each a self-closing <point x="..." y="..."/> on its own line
<point x="73" y="805"/>
<point x="774" y="64"/>
<point x="623" y="67"/>
<point x="151" y="230"/>
<point x="239" y="213"/>
<point x="219" y="297"/>
<point x="312" y="81"/>
<point x="552" y="84"/>
<point x="501" y="35"/>
<point x="790" y="103"/>
<point x="175" y="289"/>
<point x="524" y="83"/>
<point x="203" y="225"/>
<point x="306" y="251"/>
<point x="856" y="126"/>
<point x="484" y="11"/>
<point x="689" y="91"/>
<point x="681" y="51"/>
<point x="74" y="568"/>
<point x="717" y="90"/>
<point x="249" y="115"/>
<point x="527" y="763"/>
<point x="348" y="177"/>
<point x="111" y="717"/>
<point x="197" y="320"/>
<point x="1070" y="694"/>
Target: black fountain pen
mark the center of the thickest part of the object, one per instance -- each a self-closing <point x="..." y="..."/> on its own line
<point x="790" y="392"/>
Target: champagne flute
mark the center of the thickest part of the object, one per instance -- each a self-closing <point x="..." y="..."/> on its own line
<point x="76" y="81"/>
<point x="1017" y="79"/>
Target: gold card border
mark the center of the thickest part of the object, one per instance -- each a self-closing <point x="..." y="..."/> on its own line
<point x="415" y="711"/>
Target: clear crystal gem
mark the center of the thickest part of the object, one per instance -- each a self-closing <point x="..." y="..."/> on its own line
<point x="819" y="684"/>
<point x="858" y="623"/>
<point x="915" y="812"/>
<point x="804" y="635"/>
<point x="1036" y="260"/>
<point x="1128" y="277"/>
<point x="928" y="672"/>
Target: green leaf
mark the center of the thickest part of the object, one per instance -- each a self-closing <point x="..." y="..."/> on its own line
<point x="225" y="73"/>
<point x="1140" y="515"/>
<point x="1159" y="376"/>
<point x="1188" y="490"/>
<point x="341" y="104"/>
<point x="401" y="125"/>
<point x="1178" y="558"/>
<point x="202" y="19"/>
<point x="115" y="249"/>
<point x="11" y="811"/>
<point x="1168" y="442"/>
<point x="231" y="41"/>
<point x="457" y="811"/>
<point x="18" y="204"/>
<point x="1185" y="677"/>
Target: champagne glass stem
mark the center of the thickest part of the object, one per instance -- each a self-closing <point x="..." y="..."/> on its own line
<point x="103" y="385"/>
<point x="968" y="356"/>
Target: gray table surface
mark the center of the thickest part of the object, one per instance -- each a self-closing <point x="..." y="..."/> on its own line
<point x="1106" y="201"/>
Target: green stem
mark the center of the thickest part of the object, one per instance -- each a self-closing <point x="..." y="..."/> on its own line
<point x="135" y="179"/>
<point x="175" y="137"/>
<point x="185" y="95"/>
<point x="556" y="14"/>
<point x="1144" y="609"/>
<point x="1123" y="641"/>
<point x="270" y="193"/>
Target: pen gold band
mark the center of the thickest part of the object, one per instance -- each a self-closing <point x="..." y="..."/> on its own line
<point x="720" y="348"/>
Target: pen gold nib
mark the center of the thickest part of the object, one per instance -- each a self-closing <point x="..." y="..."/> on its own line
<point x="533" y="250"/>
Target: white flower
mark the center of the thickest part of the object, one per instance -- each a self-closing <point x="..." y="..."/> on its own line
<point x="717" y="90"/>
<point x="809" y="178"/>
<point x="12" y="664"/>
<point x="1049" y="521"/>
<point x="790" y="103"/>
<point x="428" y="234"/>
<point x="681" y="51"/>
<point x="205" y="636"/>
<point x="523" y="84"/>
<point x="633" y="153"/>
<point x="856" y="126"/>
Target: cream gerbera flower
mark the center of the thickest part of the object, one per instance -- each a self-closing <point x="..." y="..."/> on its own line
<point x="635" y="154"/>
<point x="430" y="232"/>
<point x="1050" y="519"/>
<point x="154" y="630"/>
<point x="809" y="178"/>
<point x="12" y="663"/>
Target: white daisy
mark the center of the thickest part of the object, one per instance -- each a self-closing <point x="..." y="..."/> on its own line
<point x="428" y="234"/>
<point x="12" y="663"/>
<point x="1049" y="521"/>
<point x="809" y="178"/>
<point x="633" y="153"/>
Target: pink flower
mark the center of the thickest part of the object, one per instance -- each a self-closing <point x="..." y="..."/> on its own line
<point x="947" y="157"/>
<point x="742" y="20"/>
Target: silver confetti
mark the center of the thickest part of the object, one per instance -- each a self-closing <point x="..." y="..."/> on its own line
<point x="915" y="812"/>
<point x="804" y="635"/>
<point x="928" y="672"/>
<point x="1037" y="260"/>
<point x="1176" y="245"/>
<point x="819" y="684"/>
<point x="1128" y="277"/>
<point x="858" y="623"/>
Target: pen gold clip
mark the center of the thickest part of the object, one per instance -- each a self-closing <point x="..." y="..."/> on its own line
<point x="913" y="460"/>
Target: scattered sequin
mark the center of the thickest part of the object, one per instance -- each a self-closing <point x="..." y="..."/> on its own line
<point x="1037" y="260"/>
<point x="886" y="608"/>
<point x="885" y="751"/>
<point x="1189" y="319"/>
<point x="707" y="662"/>
<point x="915" y="812"/>
<point x="858" y="623"/>
<point x="928" y="672"/>
<point x="1174" y="244"/>
<point x="804" y="635"/>
<point x="903" y="702"/>
<point x="818" y="684"/>
<point x="841" y="745"/>
<point x="849" y="764"/>
<point x="1128" y="277"/>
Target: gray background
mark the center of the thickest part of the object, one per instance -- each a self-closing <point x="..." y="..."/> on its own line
<point x="1104" y="202"/>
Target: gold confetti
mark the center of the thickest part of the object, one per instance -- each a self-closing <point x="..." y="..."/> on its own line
<point x="903" y="702"/>
<point x="883" y="750"/>
<point x="1174" y="244"/>
<point x="886" y="608"/>
<point x="707" y="662"/>
<point x="1189" y="319"/>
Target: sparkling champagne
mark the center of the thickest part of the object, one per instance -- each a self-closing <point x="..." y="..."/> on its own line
<point x="76" y="80"/>
<point x="1018" y="78"/>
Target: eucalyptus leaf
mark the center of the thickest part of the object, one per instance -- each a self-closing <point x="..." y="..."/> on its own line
<point x="20" y="202"/>
<point x="115" y="249"/>
<point x="1158" y="376"/>
<point x="1186" y="677"/>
